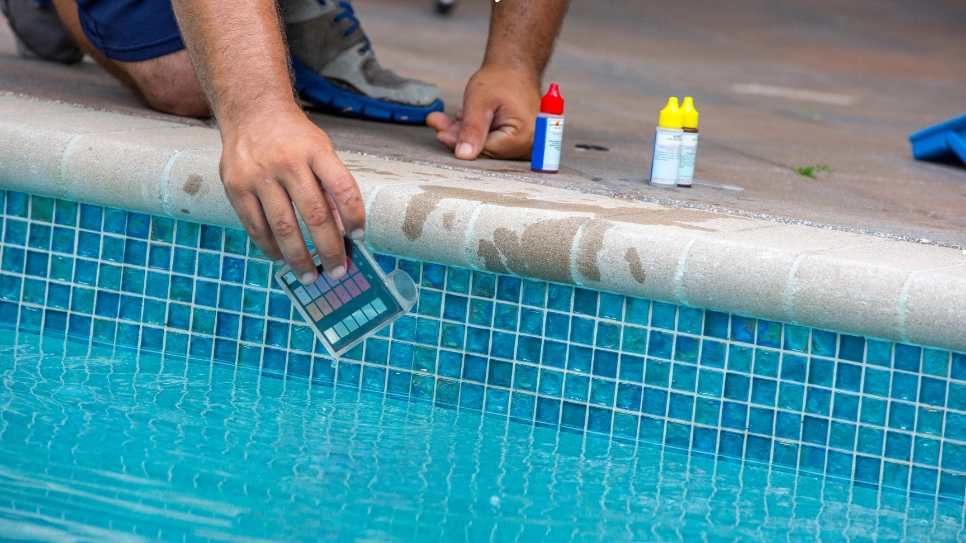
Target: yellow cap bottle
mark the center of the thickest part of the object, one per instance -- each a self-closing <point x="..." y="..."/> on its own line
<point x="689" y="115"/>
<point x="689" y="143"/>
<point x="666" y="159"/>
<point x="671" y="115"/>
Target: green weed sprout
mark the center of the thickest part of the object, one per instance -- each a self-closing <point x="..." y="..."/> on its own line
<point x="810" y="171"/>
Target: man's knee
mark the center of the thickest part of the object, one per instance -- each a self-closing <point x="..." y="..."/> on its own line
<point x="169" y="84"/>
<point x="183" y="100"/>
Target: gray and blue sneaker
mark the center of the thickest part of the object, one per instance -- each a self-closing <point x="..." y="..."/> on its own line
<point x="336" y="69"/>
<point x="38" y="31"/>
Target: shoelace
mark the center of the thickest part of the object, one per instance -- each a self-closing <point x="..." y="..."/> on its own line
<point x="349" y="13"/>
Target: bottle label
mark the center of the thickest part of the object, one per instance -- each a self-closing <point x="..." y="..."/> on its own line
<point x="667" y="158"/>
<point x="689" y="151"/>
<point x="547" y="144"/>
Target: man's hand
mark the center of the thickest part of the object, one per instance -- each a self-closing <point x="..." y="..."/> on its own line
<point x="502" y="99"/>
<point x="269" y="166"/>
<point x="500" y="109"/>
<point x="274" y="160"/>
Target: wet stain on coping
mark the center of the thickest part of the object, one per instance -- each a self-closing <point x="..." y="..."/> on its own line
<point x="193" y="185"/>
<point x="634" y="261"/>
<point x="449" y="219"/>
<point x="378" y="172"/>
<point x="591" y="244"/>
<point x="423" y="204"/>
<point x="542" y="251"/>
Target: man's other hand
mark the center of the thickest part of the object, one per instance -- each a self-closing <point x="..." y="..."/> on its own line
<point x="282" y="159"/>
<point x="500" y="107"/>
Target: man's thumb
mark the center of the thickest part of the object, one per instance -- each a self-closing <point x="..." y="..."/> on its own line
<point x="476" y="126"/>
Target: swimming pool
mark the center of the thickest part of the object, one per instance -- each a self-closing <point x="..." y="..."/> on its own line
<point x="101" y="443"/>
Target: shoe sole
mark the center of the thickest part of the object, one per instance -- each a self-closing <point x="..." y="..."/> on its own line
<point x="314" y="88"/>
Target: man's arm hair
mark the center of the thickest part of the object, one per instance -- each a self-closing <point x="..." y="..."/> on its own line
<point x="522" y="34"/>
<point x="238" y="51"/>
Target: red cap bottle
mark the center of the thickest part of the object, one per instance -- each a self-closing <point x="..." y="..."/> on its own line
<point x="552" y="103"/>
<point x="548" y="133"/>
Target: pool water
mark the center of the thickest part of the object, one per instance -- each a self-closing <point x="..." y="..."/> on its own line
<point x="100" y="444"/>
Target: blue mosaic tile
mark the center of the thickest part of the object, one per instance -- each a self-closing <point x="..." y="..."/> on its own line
<point x="713" y="353"/>
<point x="663" y="315"/>
<point x="823" y="343"/>
<point x="585" y="301"/>
<point x="522" y="406"/>
<point x="576" y="387"/>
<point x="740" y="358"/>
<point x="41" y="208"/>
<point x="39" y="236"/>
<point x="684" y="377"/>
<point x="65" y="213"/>
<point x="657" y="373"/>
<point x="534" y="293"/>
<point x="637" y="311"/>
<point x="411" y="267"/>
<point x="541" y="353"/>
<point x="611" y="306"/>
<point x="846" y="406"/>
<point x="480" y="312"/>
<point x="926" y="451"/>
<point x="935" y="362"/>
<point x="907" y="357"/>
<point x="559" y="297"/>
<point x="851" y="348"/>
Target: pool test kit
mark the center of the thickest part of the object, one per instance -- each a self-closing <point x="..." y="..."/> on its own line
<point x="548" y="133"/>
<point x="675" y="145"/>
<point x="345" y="311"/>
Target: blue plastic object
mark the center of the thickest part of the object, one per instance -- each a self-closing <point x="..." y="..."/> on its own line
<point x="945" y="142"/>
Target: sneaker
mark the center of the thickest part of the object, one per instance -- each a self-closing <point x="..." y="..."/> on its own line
<point x="336" y="69"/>
<point x="38" y="31"/>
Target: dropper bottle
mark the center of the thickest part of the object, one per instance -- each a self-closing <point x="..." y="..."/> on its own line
<point x="667" y="146"/>
<point x="548" y="133"/>
<point x="689" y="142"/>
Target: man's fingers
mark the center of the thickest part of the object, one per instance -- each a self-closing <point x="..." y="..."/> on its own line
<point x="447" y="130"/>
<point x="319" y="219"/>
<point x="341" y="186"/>
<point x="285" y="226"/>
<point x="249" y="210"/>
<point x="475" y="127"/>
<point x="450" y="136"/>
<point x="438" y="121"/>
<point x="508" y="143"/>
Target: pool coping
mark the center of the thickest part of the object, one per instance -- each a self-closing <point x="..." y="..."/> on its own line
<point x="842" y="281"/>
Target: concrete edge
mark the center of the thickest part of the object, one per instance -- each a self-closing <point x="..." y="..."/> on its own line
<point x="841" y="281"/>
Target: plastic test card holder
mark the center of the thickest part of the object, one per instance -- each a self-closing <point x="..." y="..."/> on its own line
<point x="345" y="311"/>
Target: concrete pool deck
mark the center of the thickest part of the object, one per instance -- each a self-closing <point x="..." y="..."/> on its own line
<point x="872" y="77"/>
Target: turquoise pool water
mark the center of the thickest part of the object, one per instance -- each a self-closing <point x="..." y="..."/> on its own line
<point x="100" y="444"/>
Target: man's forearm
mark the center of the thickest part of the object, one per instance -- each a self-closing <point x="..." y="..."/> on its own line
<point x="239" y="54"/>
<point x="522" y="33"/>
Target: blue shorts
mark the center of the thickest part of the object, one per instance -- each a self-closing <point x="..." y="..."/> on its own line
<point x="130" y="30"/>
